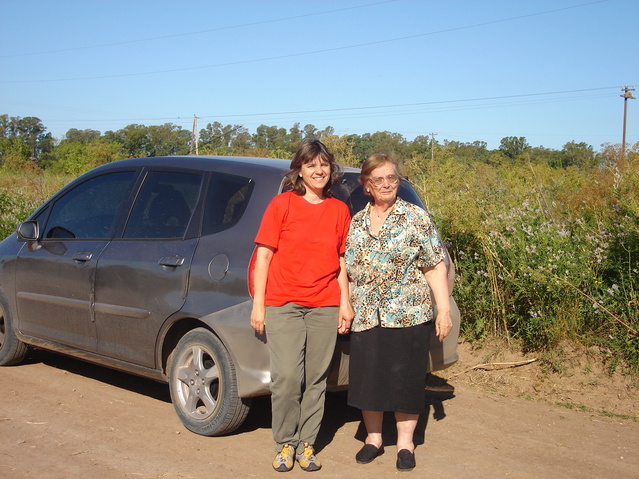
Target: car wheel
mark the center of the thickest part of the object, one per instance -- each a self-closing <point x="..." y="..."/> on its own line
<point x="12" y="350"/>
<point x="203" y="385"/>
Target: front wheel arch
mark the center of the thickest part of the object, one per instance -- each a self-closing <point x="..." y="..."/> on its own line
<point x="203" y="385"/>
<point x="12" y="350"/>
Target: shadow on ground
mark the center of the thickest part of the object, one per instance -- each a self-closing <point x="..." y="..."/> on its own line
<point x="136" y="384"/>
<point x="337" y="411"/>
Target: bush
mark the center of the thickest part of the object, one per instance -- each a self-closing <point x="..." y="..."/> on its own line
<point x="542" y="254"/>
<point x="13" y="210"/>
<point x="21" y="194"/>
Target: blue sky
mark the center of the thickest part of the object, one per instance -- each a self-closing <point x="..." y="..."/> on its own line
<point x="550" y="71"/>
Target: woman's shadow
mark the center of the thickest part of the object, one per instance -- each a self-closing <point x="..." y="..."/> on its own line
<point x="338" y="413"/>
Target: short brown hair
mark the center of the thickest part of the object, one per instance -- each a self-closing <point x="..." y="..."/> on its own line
<point x="307" y="151"/>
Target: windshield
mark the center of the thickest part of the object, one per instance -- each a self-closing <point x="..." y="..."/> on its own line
<point x="350" y="191"/>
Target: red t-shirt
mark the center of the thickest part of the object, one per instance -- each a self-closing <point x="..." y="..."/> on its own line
<point x="308" y="240"/>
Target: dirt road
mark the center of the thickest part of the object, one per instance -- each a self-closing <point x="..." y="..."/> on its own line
<point x="64" y="419"/>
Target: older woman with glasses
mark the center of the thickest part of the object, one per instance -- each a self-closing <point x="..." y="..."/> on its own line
<point x="393" y="256"/>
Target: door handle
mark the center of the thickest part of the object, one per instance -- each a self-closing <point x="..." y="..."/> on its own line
<point x="172" y="261"/>
<point x="83" y="256"/>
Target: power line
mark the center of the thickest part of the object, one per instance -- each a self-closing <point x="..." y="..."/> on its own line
<point x="200" y="32"/>
<point x="313" y="52"/>
<point x="369" y="107"/>
<point x="438" y="102"/>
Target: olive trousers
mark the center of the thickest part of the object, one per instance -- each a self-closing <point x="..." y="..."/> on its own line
<point x="301" y="342"/>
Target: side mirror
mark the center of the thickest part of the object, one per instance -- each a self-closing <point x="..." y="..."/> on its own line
<point x="29" y="231"/>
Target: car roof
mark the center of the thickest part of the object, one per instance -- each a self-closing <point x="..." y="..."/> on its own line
<point x="232" y="164"/>
<point x="201" y="162"/>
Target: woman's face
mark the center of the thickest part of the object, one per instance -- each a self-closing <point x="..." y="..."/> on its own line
<point x="315" y="174"/>
<point x="383" y="183"/>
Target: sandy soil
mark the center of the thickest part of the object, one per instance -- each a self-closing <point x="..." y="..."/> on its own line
<point x="61" y="418"/>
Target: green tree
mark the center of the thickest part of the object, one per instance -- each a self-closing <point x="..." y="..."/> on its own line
<point x="362" y="146"/>
<point x="541" y="155"/>
<point x="133" y="138"/>
<point x="4" y="126"/>
<point x="270" y="138"/>
<point x="513" y="146"/>
<point x="71" y="158"/>
<point x="31" y="131"/>
<point x="389" y="143"/>
<point x="342" y="148"/>
<point x="294" y="137"/>
<point x="168" y="139"/>
<point x="157" y="140"/>
<point x="14" y="154"/>
<point x="77" y="157"/>
<point x="83" y="136"/>
<point x="420" y="145"/>
<point x="468" y="152"/>
<point x="310" y="131"/>
<point x="328" y="131"/>
<point x="242" y="143"/>
<point x="580" y="155"/>
<point x="216" y="136"/>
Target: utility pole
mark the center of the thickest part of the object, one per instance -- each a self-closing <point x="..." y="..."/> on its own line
<point x="627" y="94"/>
<point x="432" y="147"/>
<point x="194" y="145"/>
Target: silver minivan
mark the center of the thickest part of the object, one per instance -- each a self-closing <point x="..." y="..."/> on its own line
<point x="141" y="265"/>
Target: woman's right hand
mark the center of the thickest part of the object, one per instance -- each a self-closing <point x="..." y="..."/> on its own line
<point x="263" y="257"/>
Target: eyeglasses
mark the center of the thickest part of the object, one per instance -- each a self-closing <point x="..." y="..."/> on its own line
<point x="379" y="180"/>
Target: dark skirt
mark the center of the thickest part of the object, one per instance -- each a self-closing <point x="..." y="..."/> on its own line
<point x="387" y="369"/>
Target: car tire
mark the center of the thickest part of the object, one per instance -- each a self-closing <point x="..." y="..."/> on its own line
<point x="12" y="350"/>
<point x="203" y="385"/>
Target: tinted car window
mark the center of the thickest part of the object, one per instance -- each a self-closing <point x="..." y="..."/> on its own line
<point x="164" y="205"/>
<point x="90" y="210"/>
<point x="350" y="191"/>
<point x="226" y="200"/>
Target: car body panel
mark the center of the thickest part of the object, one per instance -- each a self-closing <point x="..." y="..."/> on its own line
<point x="58" y="310"/>
<point x="136" y="289"/>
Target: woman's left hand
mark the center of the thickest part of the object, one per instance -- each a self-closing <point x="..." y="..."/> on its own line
<point x="437" y="279"/>
<point x="443" y="325"/>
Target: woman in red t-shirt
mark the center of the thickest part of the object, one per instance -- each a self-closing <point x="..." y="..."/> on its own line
<point x="301" y="288"/>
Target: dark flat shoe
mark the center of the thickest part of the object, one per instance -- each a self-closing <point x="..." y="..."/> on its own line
<point x="405" y="460"/>
<point x="368" y="453"/>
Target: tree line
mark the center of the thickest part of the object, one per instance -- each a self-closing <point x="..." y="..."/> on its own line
<point x="25" y="142"/>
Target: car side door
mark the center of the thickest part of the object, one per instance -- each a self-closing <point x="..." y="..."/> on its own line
<point x="142" y="277"/>
<point x="55" y="278"/>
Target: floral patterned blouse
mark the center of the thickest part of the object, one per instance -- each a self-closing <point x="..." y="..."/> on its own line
<point x="389" y="287"/>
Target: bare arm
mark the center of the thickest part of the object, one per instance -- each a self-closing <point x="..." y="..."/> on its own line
<point x="450" y="271"/>
<point x="437" y="279"/>
<point x="346" y="313"/>
<point x="263" y="258"/>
